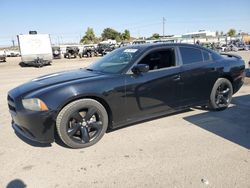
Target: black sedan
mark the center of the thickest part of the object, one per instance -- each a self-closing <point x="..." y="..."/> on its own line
<point x="128" y="85"/>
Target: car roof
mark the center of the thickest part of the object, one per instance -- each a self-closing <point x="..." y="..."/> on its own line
<point x="148" y="46"/>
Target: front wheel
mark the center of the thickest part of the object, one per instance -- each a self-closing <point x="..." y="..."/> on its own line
<point x="82" y="123"/>
<point x="221" y="94"/>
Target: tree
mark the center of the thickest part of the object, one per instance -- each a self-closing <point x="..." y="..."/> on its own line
<point x="118" y="38"/>
<point x="126" y="35"/>
<point x="110" y="33"/>
<point x="231" y="32"/>
<point x="154" y="36"/>
<point x="89" y="36"/>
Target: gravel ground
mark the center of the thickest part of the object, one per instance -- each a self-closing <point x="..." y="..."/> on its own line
<point x="195" y="148"/>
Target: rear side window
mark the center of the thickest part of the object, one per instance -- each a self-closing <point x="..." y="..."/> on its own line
<point x="215" y="56"/>
<point x="190" y="55"/>
<point x="206" y="56"/>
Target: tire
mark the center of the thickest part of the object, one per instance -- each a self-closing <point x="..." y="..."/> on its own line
<point x="221" y="94"/>
<point x="88" y="54"/>
<point x="74" y="130"/>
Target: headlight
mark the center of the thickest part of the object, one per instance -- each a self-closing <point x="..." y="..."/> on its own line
<point x="34" y="104"/>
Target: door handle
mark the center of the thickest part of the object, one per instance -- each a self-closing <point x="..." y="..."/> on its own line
<point x="177" y="77"/>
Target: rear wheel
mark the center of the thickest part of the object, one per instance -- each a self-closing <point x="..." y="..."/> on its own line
<point x="82" y="123"/>
<point x="221" y="94"/>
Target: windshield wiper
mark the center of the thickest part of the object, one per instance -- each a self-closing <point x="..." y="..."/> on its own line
<point x="92" y="70"/>
<point x="88" y="69"/>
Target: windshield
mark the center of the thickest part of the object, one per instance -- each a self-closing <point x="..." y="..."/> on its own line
<point x="115" y="61"/>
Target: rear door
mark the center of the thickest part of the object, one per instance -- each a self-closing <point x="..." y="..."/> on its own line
<point x="198" y="74"/>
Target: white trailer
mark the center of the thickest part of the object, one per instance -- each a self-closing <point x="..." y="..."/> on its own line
<point x="35" y="49"/>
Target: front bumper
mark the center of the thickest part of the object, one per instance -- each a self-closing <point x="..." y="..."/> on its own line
<point x="36" y="126"/>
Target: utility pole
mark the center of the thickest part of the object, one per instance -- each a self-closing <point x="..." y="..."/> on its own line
<point x="13" y="42"/>
<point x="80" y="37"/>
<point x="163" y="27"/>
<point x="58" y="40"/>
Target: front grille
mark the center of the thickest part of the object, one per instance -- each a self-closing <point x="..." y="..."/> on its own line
<point x="11" y="104"/>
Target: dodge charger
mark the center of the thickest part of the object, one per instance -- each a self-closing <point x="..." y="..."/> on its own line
<point x="128" y="85"/>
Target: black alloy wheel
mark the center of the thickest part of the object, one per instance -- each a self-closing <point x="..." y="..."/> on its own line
<point x="85" y="125"/>
<point x="221" y="94"/>
<point x="82" y="123"/>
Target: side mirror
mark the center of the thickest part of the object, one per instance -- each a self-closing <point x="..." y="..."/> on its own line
<point x="140" y="68"/>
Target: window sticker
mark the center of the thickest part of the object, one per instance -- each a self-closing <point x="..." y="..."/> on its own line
<point x="130" y="50"/>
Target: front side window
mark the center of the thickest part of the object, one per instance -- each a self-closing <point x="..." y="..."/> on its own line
<point x="159" y="59"/>
<point x="190" y="55"/>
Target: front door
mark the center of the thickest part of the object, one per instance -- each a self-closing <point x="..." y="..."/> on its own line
<point x="156" y="91"/>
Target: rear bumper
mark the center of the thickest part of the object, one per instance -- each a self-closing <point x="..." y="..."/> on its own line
<point x="237" y="85"/>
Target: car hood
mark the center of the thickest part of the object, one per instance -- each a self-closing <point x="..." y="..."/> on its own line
<point x="52" y="79"/>
<point x="65" y="76"/>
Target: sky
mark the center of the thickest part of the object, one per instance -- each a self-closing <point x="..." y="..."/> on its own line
<point x="67" y="20"/>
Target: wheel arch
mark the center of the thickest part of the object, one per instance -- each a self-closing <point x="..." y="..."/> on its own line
<point x="98" y="99"/>
<point x="230" y="78"/>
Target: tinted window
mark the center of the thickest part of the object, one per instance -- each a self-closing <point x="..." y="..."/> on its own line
<point x="159" y="59"/>
<point x="206" y="56"/>
<point x="190" y="55"/>
<point x="215" y="56"/>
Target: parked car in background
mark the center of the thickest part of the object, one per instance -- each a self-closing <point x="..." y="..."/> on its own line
<point x="2" y="56"/>
<point x="232" y="47"/>
<point x="139" y="42"/>
<point x="124" y="43"/>
<point x="71" y="52"/>
<point x="89" y="51"/>
<point x="56" y="52"/>
<point x="12" y="53"/>
<point x="211" y="46"/>
<point x="242" y="47"/>
<point x="104" y="49"/>
<point x="223" y="48"/>
<point x="128" y="85"/>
